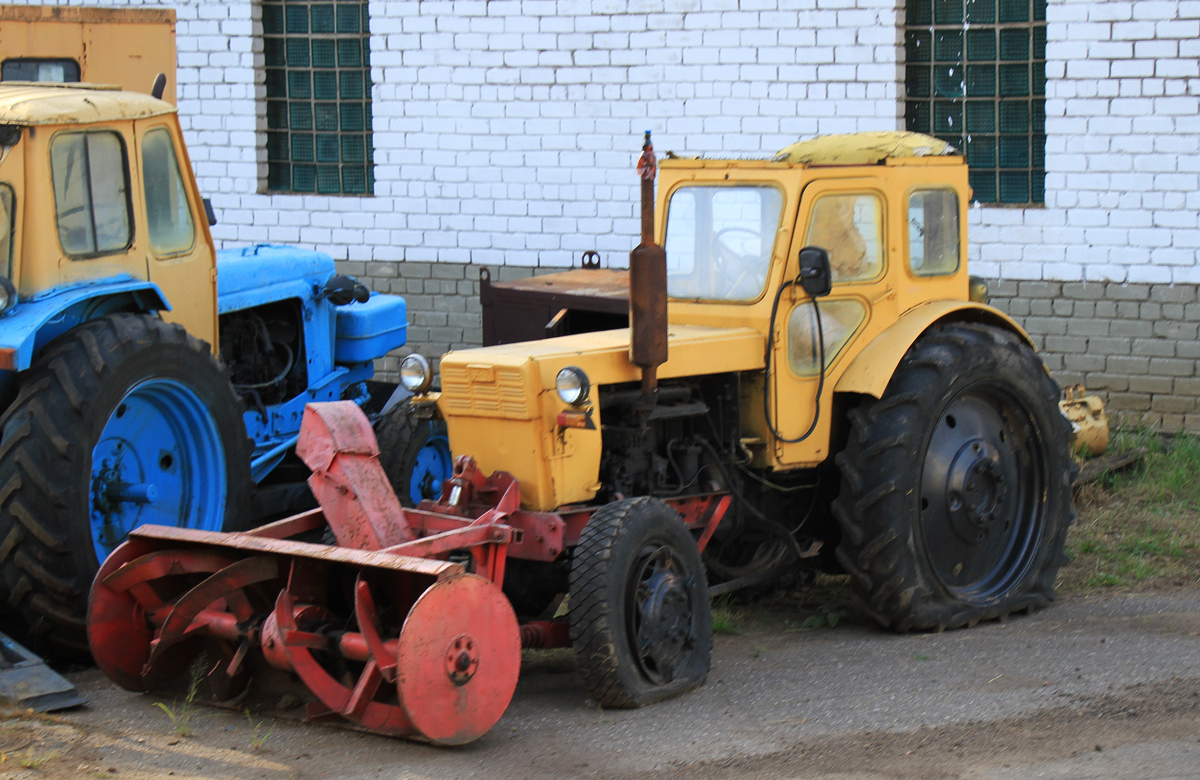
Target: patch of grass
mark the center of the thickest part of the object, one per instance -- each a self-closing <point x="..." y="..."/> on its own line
<point x="186" y="712"/>
<point x="922" y="657"/>
<point x="258" y="737"/>
<point x="724" y="617"/>
<point x="32" y="760"/>
<point x="1138" y="528"/>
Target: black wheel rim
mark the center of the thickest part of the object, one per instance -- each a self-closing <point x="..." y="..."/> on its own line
<point x="982" y="482"/>
<point x="661" y="628"/>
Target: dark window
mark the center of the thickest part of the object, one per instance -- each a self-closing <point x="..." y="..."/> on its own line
<point x="318" y="73"/>
<point x="39" y="70"/>
<point x="91" y="193"/>
<point x="976" y="77"/>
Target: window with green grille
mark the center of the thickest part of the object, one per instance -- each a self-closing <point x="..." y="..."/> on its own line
<point x="318" y="96"/>
<point x="975" y="76"/>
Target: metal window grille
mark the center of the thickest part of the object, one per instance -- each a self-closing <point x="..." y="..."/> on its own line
<point x="318" y="74"/>
<point x="975" y="76"/>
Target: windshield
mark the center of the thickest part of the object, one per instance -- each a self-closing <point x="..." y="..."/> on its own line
<point x="720" y="240"/>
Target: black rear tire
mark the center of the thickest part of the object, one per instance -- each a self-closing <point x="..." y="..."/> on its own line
<point x="639" y="614"/>
<point x="956" y="484"/>
<point x="82" y="382"/>
<point x="414" y="452"/>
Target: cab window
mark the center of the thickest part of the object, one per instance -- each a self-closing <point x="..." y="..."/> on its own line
<point x="8" y="209"/>
<point x="39" y="69"/>
<point x="839" y="320"/>
<point x="720" y="240"/>
<point x="850" y="229"/>
<point x="91" y="193"/>
<point x="933" y="237"/>
<point x="168" y="214"/>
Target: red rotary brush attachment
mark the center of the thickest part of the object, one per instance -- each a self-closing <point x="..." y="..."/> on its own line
<point x="381" y="632"/>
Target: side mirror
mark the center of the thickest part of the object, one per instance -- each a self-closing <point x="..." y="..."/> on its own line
<point x="208" y="211"/>
<point x="815" y="276"/>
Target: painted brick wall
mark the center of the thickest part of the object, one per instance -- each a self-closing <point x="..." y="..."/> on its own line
<point x="1122" y="152"/>
<point x="505" y="132"/>
<point x="1136" y="344"/>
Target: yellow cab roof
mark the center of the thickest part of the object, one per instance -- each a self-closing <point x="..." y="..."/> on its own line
<point x="44" y="103"/>
<point x="845" y="149"/>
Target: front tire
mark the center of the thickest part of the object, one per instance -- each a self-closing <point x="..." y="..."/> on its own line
<point x="956" y="484"/>
<point x="639" y="615"/>
<point x="415" y="454"/>
<point x="121" y="422"/>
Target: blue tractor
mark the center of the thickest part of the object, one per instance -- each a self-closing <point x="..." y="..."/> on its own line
<point x="116" y="409"/>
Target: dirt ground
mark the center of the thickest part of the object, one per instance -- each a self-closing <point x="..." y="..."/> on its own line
<point x="1091" y="687"/>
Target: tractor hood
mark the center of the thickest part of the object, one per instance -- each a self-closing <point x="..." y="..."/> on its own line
<point x="469" y="375"/>
<point x="258" y="274"/>
<point x="501" y="407"/>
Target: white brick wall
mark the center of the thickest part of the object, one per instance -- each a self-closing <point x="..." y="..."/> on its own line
<point x="505" y="131"/>
<point x="1122" y="151"/>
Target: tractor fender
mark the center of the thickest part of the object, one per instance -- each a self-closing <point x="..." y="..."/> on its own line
<point x="33" y="323"/>
<point x="872" y="369"/>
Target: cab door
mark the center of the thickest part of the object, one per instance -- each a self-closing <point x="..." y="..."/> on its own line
<point x="847" y="218"/>
<point x="180" y="257"/>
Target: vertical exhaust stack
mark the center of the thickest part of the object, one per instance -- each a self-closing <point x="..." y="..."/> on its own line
<point x="648" y="284"/>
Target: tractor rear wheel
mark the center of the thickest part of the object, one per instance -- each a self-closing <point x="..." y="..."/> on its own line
<point x="415" y="453"/>
<point x="956" y="484"/>
<point x="639" y="615"/>
<point x="123" y="421"/>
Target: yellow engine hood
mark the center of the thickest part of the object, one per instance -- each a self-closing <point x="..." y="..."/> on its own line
<point x="533" y="365"/>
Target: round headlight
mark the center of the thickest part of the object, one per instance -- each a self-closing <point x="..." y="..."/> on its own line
<point x="572" y="385"/>
<point x="415" y="374"/>
<point x="8" y="294"/>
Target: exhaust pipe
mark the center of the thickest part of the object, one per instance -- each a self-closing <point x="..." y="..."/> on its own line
<point x="648" y="284"/>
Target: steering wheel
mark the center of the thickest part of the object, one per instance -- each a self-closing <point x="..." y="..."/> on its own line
<point x="737" y="275"/>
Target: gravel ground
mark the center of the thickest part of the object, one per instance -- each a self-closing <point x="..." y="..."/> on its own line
<point x="1104" y="686"/>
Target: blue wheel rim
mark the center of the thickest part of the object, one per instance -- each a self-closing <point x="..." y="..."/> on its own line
<point x="159" y="460"/>
<point x="433" y="466"/>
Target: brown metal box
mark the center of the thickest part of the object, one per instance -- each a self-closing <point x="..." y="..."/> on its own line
<point x="577" y="301"/>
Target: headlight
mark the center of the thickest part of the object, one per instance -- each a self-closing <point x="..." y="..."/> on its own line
<point x="415" y="374"/>
<point x="572" y="385"/>
<point x="8" y="294"/>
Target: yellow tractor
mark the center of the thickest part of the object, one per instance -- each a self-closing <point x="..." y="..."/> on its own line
<point x="825" y="366"/>
<point x="805" y="379"/>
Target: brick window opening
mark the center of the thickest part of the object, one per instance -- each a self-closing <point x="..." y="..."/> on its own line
<point x="975" y="76"/>
<point x="318" y="73"/>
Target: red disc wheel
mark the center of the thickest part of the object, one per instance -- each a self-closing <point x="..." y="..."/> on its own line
<point x="458" y="659"/>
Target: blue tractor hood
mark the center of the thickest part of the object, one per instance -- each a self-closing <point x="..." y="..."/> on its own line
<point x="257" y="274"/>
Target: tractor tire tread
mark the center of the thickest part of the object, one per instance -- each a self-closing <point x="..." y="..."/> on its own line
<point x="595" y="617"/>
<point x="43" y="432"/>
<point x="401" y="436"/>
<point x="878" y="550"/>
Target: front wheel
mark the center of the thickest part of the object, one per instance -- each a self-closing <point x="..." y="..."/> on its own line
<point x="415" y="454"/>
<point x="639" y="615"/>
<point x="122" y="422"/>
<point x="956" y="484"/>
